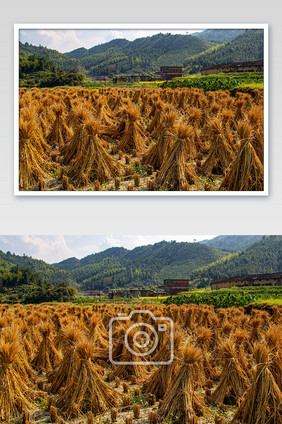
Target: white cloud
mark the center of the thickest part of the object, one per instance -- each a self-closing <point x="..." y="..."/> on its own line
<point x="55" y="248"/>
<point x="48" y="248"/>
<point x="63" y="40"/>
<point x="66" y="40"/>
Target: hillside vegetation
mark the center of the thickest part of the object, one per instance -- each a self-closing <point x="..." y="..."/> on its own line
<point x="145" y="54"/>
<point x="226" y="298"/>
<point x="149" y="265"/>
<point x="39" y="71"/>
<point x="262" y="257"/>
<point x="142" y="55"/>
<point x="145" y="265"/>
<point x="48" y="272"/>
<point x="232" y="242"/>
<point x="148" y="54"/>
<point x="22" y="284"/>
<point x="246" y="47"/>
<point x="219" y="35"/>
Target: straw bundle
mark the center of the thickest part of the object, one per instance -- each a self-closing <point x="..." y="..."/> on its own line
<point x="34" y="164"/>
<point x="133" y="137"/>
<point x="157" y="153"/>
<point x="86" y="391"/>
<point x="16" y="393"/>
<point x="232" y="382"/>
<point x="59" y="133"/>
<point x="95" y="163"/>
<point x="175" y="171"/>
<point x="220" y="153"/>
<point x="182" y="404"/>
<point x="246" y="170"/>
<point x="262" y="402"/>
<point x="47" y="356"/>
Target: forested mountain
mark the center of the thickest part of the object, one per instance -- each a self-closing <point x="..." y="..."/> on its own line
<point x="246" y="47"/>
<point x="116" y="44"/>
<point x="40" y="71"/>
<point x="219" y="35"/>
<point x="148" y="265"/>
<point x="232" y="243"/>
<point x="59" y="59"/>
<point x="24" y="285"/>
<point x="148" y="54"/>
<point x="142" y="55"/>
<point x="47" y="271"/>
<point x="144" y="265"/>
<point x="261" y="257"/>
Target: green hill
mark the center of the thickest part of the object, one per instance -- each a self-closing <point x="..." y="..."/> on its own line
<point x="232" y="243"/>
<point x="264" y="256"/>
<point x="142" y="55"/>
<point x="148" y="54"/>
<point x="142" y="266"/>
<point x="24" y="285"/>
<point x="58" y="59"/>
<point x="246" y="47"/>
<point x="219" y="35"/>
<point x="118" y="56"/>
<point x="48" y="272"/>
<point x="118" y="267"/>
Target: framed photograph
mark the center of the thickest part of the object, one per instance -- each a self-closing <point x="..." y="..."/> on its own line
<point x="188" y="323"/>
<point x="141" y="110"/>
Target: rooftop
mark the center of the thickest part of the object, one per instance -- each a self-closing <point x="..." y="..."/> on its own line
<point x="235" y="64"/>
<point x="250" y="277"/>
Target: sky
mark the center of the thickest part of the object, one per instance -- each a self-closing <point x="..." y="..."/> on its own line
<point x="66" y="40"/>
<point x="55" y="248"/>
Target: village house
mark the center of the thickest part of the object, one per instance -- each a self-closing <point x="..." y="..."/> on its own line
<point x="274" y="279"/>
<point x="131" y="293"/>
<point x="170" y="72"/>
<point x="254" y="66"/>
<point x="173" y="286"/>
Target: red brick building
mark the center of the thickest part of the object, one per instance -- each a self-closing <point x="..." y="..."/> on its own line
<point x="274" y="279"/>
<point x="170" y="72"/>
<point x="254" y="66"/>
<point x="173" y="286"/>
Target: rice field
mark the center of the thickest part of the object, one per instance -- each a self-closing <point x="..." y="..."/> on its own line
<point x="55" y="364"/>
<point x="147" y="139"/>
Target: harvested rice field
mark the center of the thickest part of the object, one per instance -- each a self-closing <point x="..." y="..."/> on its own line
<point x="110" y="363"/>
<point x="147" y="139"/>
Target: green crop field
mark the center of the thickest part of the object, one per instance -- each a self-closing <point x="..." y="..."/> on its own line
<point x="221" y="81"/>
<point x="225" y="298"/>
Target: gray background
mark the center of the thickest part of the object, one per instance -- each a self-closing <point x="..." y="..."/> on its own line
<point x="145" y="215"/>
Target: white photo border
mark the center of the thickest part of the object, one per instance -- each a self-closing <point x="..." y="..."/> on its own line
<point x="147" y="26"/>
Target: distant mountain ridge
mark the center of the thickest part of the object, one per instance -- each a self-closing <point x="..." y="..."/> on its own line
<point x="264" y="256"/>
<point x="142" y="55"/>
<point x="148" y="54"/>
<point x="144" y="265"/>
<point x="247" y="46"/>
<point x="47" y="271"/>
<point x="148" y="265"/>
<point x="232" y="243"/>
<point x="221" y="35"/>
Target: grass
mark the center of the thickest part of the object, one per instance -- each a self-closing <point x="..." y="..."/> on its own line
<point x="252" y="85"/>
<point x="153" y="298"/>
<point x="220" y="81"/>
<point x="251" y="80"/>
<point x="269" y="295"/>
<point x="269" y="301"/>
<point x="235" y="296"/>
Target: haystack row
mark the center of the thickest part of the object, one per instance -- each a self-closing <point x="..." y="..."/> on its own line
<point x="57" y="358"/>
<point x="182" y="139"/>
